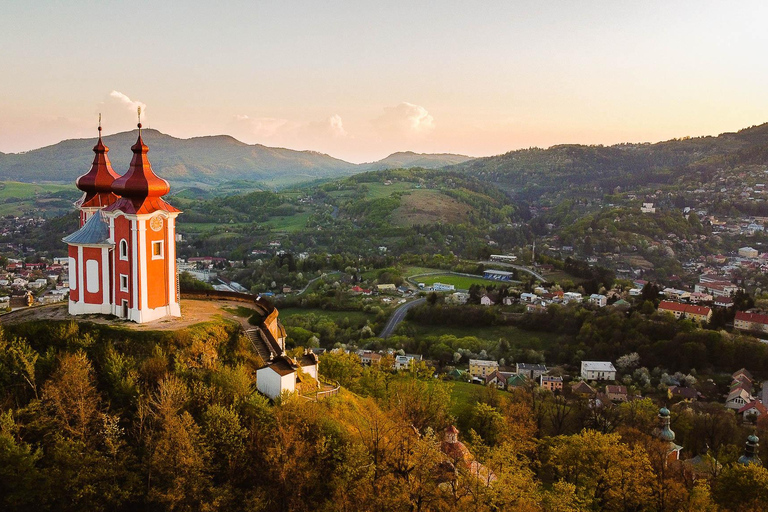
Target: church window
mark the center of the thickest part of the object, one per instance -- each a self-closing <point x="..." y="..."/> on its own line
<point x="157" y="250"/>
<point x="123" y="283"/>
<point x="123" y="250"/>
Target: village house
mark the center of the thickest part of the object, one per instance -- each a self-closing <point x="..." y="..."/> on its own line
<point x="616" y="393"/>
<point x="459" y="298"/>
<point x="598" y="300"/>
<point x="485" y="300"/>
<point x="582" y="389"/>
<point x="598" y="370"/>
<point x="479" y="368"/>
<point x="551" y="383"/>
<point x="530" y="370"/>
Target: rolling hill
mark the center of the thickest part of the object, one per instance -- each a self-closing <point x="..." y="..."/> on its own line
<point x="201" y="161"/>
<point x="530" y="173"/>
<point x="408" y="159"/>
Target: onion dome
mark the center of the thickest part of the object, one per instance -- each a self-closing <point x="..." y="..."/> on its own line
<point x="751" y="451"/>
<point x="97" y="182"/>
<point x="140" y="188"/>
<point x="665" y="433"/>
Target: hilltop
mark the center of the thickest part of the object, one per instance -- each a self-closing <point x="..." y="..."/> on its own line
<point x="590" y="170"/>
<point x="201" y="162"/>
<point x="408" y="159"/>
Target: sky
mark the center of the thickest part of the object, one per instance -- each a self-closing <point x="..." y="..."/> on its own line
<point x="361" y="79"/>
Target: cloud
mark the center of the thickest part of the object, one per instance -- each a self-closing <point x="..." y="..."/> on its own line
<point x="336" y="126"/>
<point x="405" y="119"/>
<point x="128" y="102"/>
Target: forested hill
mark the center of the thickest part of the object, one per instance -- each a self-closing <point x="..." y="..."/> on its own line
<point x="529" y="173"/>
<point x="408" y="159"/>
<point x="201" y="160"/>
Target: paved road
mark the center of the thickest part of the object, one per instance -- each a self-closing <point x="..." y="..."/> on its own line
<point x="398" y="317"/>
<point x="518" y="267"/>
<point x="309" y="283"/>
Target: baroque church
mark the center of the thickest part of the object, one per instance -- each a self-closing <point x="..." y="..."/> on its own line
<point x="122" y="260"/>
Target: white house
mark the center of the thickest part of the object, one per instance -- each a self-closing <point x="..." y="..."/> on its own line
<point x="279" y="376"/>
<point x="748" y="252"/>
<point x="738" y="398"/>
<point x="647" y="208"/>
<point x="440" y="287"/>
<point x="528" y="297"/>
<point x="486" y="301"/>
<point x="458" y="298"/>
<point x="598" y="370"/>
<point x="598" y="300"/>
<point x="572" y="297"/>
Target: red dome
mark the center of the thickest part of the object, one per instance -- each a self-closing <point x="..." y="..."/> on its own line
<point x="140" y="181"/>
<point x="101" y="176"/>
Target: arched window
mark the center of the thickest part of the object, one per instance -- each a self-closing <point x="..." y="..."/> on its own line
<point x="123" y="250"/>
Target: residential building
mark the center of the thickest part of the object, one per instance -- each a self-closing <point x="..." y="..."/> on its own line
<point x="404" y="362"/>
<point x="460" y="298"/>
<point x="616" y="393"/>
<point x="551" y="383"/>
<point x="516" y="381"/>
<point x="738" y="398"/>
<point x="685" y="393"/>
<point x="748" y="252"/>
<point x="756" y="322"/>
<point x="386" y="287"/>
<point x="700" y="314"/>
<point x="572" y="297"/>
<point x="716" y="288"/>
<point x="485" y="300"/>
<point x="598" y="370"/>
<point x="753" y="408"/>
<point x="581" y="388"/>
<point x="530" y="370"/>
<point x="647" y="208"/>
<point x="598" y="300"/>
<point x="529" y="297"/>
<point x="480" y="368"/>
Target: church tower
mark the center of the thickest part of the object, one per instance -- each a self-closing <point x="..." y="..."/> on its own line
<point x="96" y="184"/>
<point x="123" y="258"/>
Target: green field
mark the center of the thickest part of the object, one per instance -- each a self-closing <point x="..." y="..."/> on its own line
<point x="379" y="190"/>
<point x="412" y="271"/>
<point x="460" y="282"/>
<point x="16" y="190"/>
<point x="289" y="224"/>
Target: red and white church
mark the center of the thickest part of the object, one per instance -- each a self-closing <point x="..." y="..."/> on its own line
<point x="122" y="260"/>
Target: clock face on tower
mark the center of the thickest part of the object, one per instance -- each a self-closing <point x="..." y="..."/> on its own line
<point x="156" y="223"/>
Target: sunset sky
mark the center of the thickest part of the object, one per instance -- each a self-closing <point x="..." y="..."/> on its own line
<point x="361" y="79"/>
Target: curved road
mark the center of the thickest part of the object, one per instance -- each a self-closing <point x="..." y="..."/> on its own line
<point x="398" y="317"/>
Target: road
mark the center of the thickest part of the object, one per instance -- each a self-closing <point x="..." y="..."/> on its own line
<point x="309" y="283"/>
<point x="398" y="317"/>
<point x="518" y="267"/>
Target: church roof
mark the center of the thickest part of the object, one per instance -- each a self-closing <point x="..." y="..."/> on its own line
<point x="140" y="189"/>
<point x="97" y="182"/>
<point x="94" y="232"/>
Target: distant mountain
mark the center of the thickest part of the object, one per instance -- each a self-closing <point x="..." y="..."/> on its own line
<point x="529" y="173"/>
<point x="408" y="159"/>
<point x="203" y="161"/>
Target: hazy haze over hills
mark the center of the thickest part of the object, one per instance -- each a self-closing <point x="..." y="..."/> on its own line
<point x="199" y="160"/>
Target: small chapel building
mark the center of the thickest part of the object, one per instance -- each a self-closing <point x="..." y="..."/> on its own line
<point x="122" y="260"/>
